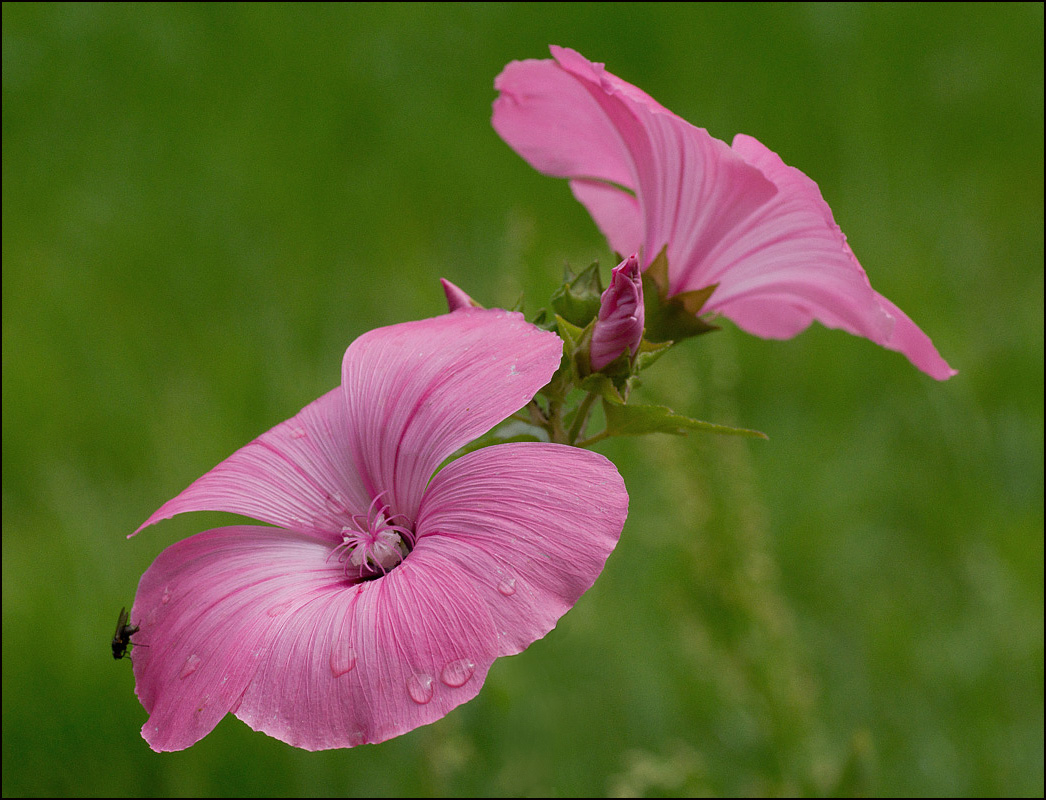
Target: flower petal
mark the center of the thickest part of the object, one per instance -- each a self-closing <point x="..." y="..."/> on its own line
<point x="615" y="211"/>
<point x="297" y="475"/>
<point x="206" y="609"/>
<point x="798" y="259"/>
<point x="364" y="664"/>
<point x="261" y="622"/>
<point x="550" y="119"/>
<point x="531" y="525"/>
<point x="417" y="391"/>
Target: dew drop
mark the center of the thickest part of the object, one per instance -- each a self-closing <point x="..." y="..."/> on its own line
<point x="356" y="738"/>
<point x="190" y="665"/>
<point x="342" y="660"/>
<point x="298" y="433"/>
<point x="457" y="673"/>
<point x="507" y="586"/>
<point x="419" y="687"/>
<point x="166" y="596"/>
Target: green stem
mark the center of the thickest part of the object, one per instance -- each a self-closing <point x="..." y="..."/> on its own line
<point x="555" y="423"/>
<point x="581" y="418"/>
<point x="591" y="440"/>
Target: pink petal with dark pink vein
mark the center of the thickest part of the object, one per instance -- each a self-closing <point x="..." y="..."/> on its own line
<point x="530" y="525"/>
<point x="297" y="475"/>
<point x="417" y="391"/>
<point x="366" y="663"/>
<point x="207" y="608"/>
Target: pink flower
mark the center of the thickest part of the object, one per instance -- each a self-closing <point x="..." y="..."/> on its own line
<point x="620" y="324"/>
<point x="387" y="588"/>
<point x="736" y="218"/>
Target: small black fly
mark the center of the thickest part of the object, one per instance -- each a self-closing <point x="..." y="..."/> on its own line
<point x="124" y="631"/>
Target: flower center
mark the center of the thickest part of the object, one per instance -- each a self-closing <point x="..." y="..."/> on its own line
<point x="373" y="544"/>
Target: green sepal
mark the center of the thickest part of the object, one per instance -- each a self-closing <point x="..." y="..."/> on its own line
<point x="543" y="320"/>
<point x="638" y="420"/>
<point x="570" y="333"/>
<point x="672" y="318"/>
<point x="649" y="352"/>
<point x="574" y="363"/>
<point x="601" y="385"/>
<point x="577" y="300"/>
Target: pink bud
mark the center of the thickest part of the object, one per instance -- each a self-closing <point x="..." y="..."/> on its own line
<point x="456" y="298"/>
<point x="620" y="324"/>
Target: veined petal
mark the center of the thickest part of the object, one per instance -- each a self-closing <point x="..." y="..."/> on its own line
<point x="262" y="623"/>
<point x="298" y="475"/>
<point x="207" y="609"/>
<point x="366" y="663"/>
<point x="530" y="524"/>
<point x="550" y="120"/>
<point x="417" y="391"/>
<point x="795" y="255"/>
<point x="616" y="212"/>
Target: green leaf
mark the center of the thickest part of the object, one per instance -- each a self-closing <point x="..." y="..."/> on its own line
<point x="637" y="420"/>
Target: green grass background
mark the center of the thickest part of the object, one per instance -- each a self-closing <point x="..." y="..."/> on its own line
<point x="203" y="206"/>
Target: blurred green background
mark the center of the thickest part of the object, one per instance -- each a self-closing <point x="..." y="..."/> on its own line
<point x="203" y="206"/>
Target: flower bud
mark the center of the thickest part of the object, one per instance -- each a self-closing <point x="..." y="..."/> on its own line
<point x="456" y="298"/>
<point x="620" y="324"/>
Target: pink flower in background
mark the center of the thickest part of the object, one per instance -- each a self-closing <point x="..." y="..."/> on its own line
<point x="620" y="324"/>
<point x="387" y="588"/>
<point x="733" y="217"/>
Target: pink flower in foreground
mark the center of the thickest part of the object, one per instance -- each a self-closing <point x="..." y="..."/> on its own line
<point x="733" y="217"/>
<point x="387" y="589"/>
<point x="620" y="324"/>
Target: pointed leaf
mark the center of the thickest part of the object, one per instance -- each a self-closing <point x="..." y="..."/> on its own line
<point x="633" y="420"/>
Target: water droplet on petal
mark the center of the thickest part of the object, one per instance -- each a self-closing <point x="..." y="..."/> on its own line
<point x="457" y="673"/>
<point x="166" y="596"/>
<point x="298" y="433"/>
<point x="190" y="665"/>
<point x="343" y="659"/>
<point x="419" y="687"/>
<point x="507" y="586"/>
<point x="357" y="738"/>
